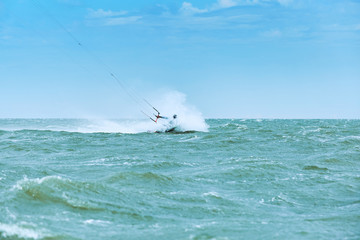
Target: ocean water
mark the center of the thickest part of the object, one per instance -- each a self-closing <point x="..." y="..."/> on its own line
<point x="241" y="179"/>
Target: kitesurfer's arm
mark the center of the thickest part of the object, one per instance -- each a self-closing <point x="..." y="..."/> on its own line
<point x="158" y="116"/>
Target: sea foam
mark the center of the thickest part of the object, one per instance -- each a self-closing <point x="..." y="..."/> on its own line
<point x="12" y="230"/>
<point x="169" y="104"/>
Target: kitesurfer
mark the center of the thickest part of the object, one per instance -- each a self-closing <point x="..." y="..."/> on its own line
<point x="171" y="126"/>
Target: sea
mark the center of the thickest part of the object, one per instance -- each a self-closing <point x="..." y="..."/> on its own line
<point x="236" y="179"/>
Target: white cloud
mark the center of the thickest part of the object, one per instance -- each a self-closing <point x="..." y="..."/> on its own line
<point x="220" y="4"/>
<point x="342" y="27"/>
<point x="226" y="3"/>
<point x="100" y="13"/>
<point x="121" y="20"/>
<point x="110" y="18"/>
<point x="272" y="33"/>
<point x="285" y="2"/>
<point x="189" y="9"/>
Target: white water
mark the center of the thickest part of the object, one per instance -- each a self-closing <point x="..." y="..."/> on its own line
<point x="188" y="119"/>
<point x="171" y="103"/>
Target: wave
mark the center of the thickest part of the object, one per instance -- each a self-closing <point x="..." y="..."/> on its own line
<point x="84" y="196"/>
<point x="234" y="126"/>
<point x="316" y="168"/>
<point x="62" y="191"/>
<point x="148" y="177"/>
<point x="21" y="231"/>
<point x="108" y="126"/>
<point x="24" y="230"/>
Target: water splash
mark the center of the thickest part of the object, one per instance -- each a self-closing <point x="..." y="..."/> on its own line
<point x="188" y="119"/>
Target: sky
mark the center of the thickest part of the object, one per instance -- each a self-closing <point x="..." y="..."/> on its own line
<point x="230" y="58"/>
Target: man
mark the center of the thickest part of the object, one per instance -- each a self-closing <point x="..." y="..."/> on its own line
<point x="171" y="127"/>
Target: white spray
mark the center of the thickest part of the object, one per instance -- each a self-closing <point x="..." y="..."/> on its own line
<point x="188" y="117"/>
<point x="169" y="104"/>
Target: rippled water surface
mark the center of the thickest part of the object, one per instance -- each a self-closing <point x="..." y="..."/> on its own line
<point x="243" y="179"/>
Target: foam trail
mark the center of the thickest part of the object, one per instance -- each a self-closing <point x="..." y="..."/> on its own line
<point x="117" y="126"/>
<point x="79" y="125"/>
<point x="188" y="117"/>
<point x="16" y="231"/>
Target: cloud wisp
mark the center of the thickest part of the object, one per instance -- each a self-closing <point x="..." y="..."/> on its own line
<point x="100" y="13"/>
<point x="187" y="8"/>
<point x="110" y="18"/>
<point x="239" y="20"/>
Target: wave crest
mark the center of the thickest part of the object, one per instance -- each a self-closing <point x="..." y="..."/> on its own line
<point x="59" y="190"/>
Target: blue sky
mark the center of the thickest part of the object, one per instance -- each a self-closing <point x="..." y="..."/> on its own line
<point x="231" y="58"/>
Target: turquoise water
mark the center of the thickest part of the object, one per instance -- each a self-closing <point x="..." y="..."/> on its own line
<point x="243" y="179"/>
